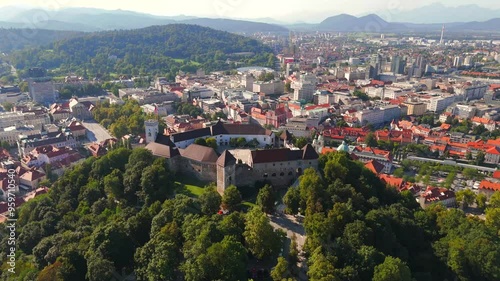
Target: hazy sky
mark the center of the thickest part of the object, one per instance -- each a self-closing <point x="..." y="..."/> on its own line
<point x="285" y="10"/>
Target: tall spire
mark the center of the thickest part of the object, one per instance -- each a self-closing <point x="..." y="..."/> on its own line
<point x="441" y="42"/>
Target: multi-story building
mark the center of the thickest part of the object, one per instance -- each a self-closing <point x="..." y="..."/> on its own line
<point x="223" y="133"/>
<point x="440" y="103"/>
<point x="27" y="144"/>
<point x="42" y="91"/>
<point x="11" y="134"/>
<point x="471" y="91"/>
<point x="416" y="108"/>
<point x="304" y="88"/>
<point x="370" y="116"/>
<point x="35" y="118"/>
<point x="464" y="111"/>
<point x="269" y="88"/>
<point x="392" y="112"/>
<point x="433" y="195"/>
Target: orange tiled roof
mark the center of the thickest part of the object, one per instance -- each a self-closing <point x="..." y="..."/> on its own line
<point x="391" y="180"/>
<point x="494" y="142"/>
<point x="494" y="150"/>
<point x="489" y="185"/>
<point x="374" y="166"/>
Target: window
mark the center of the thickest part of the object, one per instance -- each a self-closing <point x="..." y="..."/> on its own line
<point x="282" y="174"/>
<point x="274" y="174"/>
<point x="290" y="173"/>
<point x="265" y="175"/>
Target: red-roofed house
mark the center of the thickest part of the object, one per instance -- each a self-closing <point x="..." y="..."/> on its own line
<point x="490" y="125"/>
<point x="492" y="155"/>
<point x="374" y="166"/>
<point x="77" y="129"/>
<point x="392" y="181"/>
<point x="434" y="195"/>
<point x="488" y="187"/>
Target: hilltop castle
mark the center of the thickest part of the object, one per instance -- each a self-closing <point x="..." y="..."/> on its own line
<point x="241" y="167"/>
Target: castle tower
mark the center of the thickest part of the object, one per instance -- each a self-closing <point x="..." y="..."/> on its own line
<point x="226" y="171"/>
<point x="152" y="128"/>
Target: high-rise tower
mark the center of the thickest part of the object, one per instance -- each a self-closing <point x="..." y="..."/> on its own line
<point x="441" y="42"/>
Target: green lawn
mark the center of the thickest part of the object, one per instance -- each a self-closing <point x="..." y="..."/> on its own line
<point x="189" y="186"/>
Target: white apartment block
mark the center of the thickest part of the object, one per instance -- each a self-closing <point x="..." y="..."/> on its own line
<point x="370" y="116"/>
<point x="438" y="104"/>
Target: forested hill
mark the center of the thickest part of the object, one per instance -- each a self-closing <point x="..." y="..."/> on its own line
<point x="14" y="39"/>
<point x="151" y="50"/>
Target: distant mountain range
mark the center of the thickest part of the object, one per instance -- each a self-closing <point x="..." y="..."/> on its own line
<point x="438" y="13"/>
<point x="90" y="20"/>
<point x="375" y="24"/>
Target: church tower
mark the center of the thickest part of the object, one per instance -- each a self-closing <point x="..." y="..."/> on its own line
<point x="152" y="127"/>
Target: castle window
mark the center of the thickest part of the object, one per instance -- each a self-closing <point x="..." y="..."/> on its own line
<point x="282" y="174"/>
<point x="290" y="173"/>
<point x="265" y="175"/>
<point x="274" y="174"/>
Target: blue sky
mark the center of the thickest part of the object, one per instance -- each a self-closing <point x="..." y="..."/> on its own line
<point x="289" y="10"/>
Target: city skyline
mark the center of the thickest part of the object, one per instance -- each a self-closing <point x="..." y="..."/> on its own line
<point x="290" y="12"/>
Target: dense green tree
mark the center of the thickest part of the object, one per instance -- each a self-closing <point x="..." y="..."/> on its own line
<point x="225" y="260"/>
<point x="495" y="200"/>
<point x="233" y="225"/>
<point x="300" y="142"/>
<point x="466" y="197"/>
<point x="370" y="140"/>
<point x="241" y="142"/>
<point x="159" y="258"/>
<point x="211" y="142"/>
<point x="320" y="268"/>
<point x="99" y="268"/>
<point x="292" y="200"/>
<point x="280" y="271"/>
<point x="210" y="200"/>
<point x="493" y="218"/>
<point x="113" y="184"/>
<point x="392" y="269"/>
<point x="266" y="199"/>
<point x="260" y="237"/>
<point x="156" y="182"/>
<point x="200" y="141"/>
<point x="231" y="199"/>
<point x="481" y="201"/>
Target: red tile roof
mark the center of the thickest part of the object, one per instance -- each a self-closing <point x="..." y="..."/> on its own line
<point x="391" y="180"/>
<point x="494" y="150"/>
<point x="374" y="166"/>
<point x="489" y="185"/>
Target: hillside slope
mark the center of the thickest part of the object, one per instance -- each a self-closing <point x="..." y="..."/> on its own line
<point x="156" y="49"/>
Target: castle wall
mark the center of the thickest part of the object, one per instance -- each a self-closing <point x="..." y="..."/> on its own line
<point x="202" y="171"/>
<point x="279" y="174"/>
